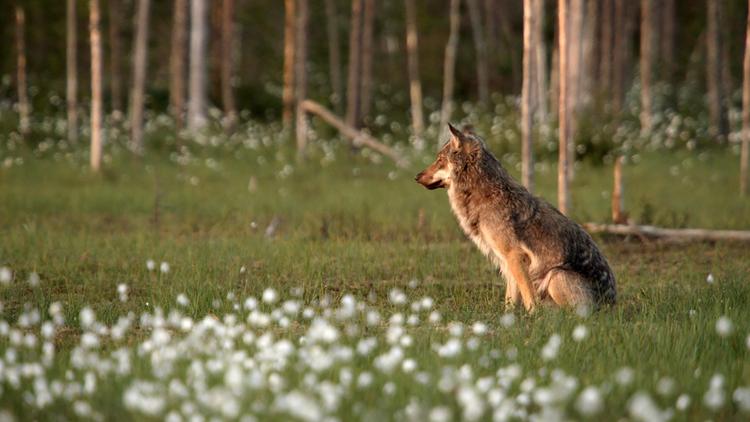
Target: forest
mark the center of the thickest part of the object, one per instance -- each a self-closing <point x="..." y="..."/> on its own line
<point x="208" y="209"/>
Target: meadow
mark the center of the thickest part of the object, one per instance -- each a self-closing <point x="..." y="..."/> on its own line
<point x="221" y="278"/>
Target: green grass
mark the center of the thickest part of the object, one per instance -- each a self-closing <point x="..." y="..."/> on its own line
<point x="342" y="231"/>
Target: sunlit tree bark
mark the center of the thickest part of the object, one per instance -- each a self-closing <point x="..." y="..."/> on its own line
<point x="71" y="59"/>
<point x="139" y="75"/>
<point x="96" y="85"/>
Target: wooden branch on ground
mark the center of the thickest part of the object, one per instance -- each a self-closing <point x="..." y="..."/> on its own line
<point x="669" y="234"/>
<point x="358" y="138"/>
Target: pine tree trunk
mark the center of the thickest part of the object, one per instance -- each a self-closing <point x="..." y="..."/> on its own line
<point x="490" y="31"/>
<point x="24" y="109"/>
<point x="563" y="197"/>
<point x="717" y="112"/>
<point x="139" y="75"/>
<point x="96" y="85"/>
<point x="575" y="71"/>
<point x="115" y="63"/>
<point x="480" y="49"/>
<point x="301" y="75"/>
<point x="71" y="59"/>
<point x="334" y="56"/>
<point x="227" y="63"/>
<point x="415" y="84"/>
<point x="618" y="214"/>
<point x="354" y="78"/>
<point x="367" y="54"/>
<point x="527" y="112"/>
<point x="647" y="52"/>
<point x="449" y="66"/>
<point x="745" y="152"/>
<point x="606" y="51"/>
<point x="623" y="31"/>
<point x="667" y="39"/>
<point x="540" y="60"/>
<point x="177" y="63"/>
<point x="287" y="96"/>
<point x="197" y="88"/>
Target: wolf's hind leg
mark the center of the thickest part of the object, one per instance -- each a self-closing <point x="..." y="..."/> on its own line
<point x="567" y="288"/>
<point x="512" y="295"/>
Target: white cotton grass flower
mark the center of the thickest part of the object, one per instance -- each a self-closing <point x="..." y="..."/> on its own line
<point x="666" y="386"/>
<point x="741" y="397"/>
<point x="507" y="320"/>
<point x="551" y="348"/>
<point x="710" y="278"/>
<point x="122" y="292"/>
<point x="86" y="317"/>
<point x="183" y="300"/>
<point x="440" y="414"/>
<point x="643" y="408"/>
<point x="6" y="275"/>
<point x="682" y="403"/>
<point x="580" y="333"/>
<point x="164" y="267"/>
<point x="625" y="376"/>
<point x="589" y="402"/>
<point x="33" y="279"/>
<point x="150" y="265"/>
<point x="270" y="296"/>
<point x="715" y="397"/>
<point x="397" y="297"/>
<point x="724" y="326"/>
<point x="479" y="328"/>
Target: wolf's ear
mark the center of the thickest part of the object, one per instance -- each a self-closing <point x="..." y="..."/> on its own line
<point x="456" y="137"/>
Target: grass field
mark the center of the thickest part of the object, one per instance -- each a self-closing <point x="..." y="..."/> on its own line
<point x="341" y="289"/>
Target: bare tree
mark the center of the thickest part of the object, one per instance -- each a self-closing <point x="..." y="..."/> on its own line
<point x="367" y="55"/>
<point x="139" y="75"/>
<point x="667" y="39"/>
<point x="177" y="62"/>
<point x="287" y="96"/>
<point x="606" y="52"/>
<point x="24" y="109"/>
<point x="540" y="59"/>
<point x="647" y="60"/>
<point x="745" y="153"/>
<point x="563" y="196"/>
<point x="354" y="78"/>
<point x="96" y="85"/>
<point x="618" y="213"/>
<point x="115" y="47"/>
<point x="716" y="104"/>
<point x="575" y="71"/>
<point x="621" y="57"/>
<point x="480" y="48"/>
<point x="412" y="55"/>
<point x="449" y="66"/>
<point x="227" y="62"/>
<point x="301" y="75"/>
<point x="527" y="112"/>
<point x="197" y="88"/>
<point x="334" y="55"/>
<point x="71" y="88"/>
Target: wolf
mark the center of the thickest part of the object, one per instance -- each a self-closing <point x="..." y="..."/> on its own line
<point x="544" y="256"/>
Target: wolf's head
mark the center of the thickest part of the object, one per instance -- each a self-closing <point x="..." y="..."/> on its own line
<point x="461" y="149"/>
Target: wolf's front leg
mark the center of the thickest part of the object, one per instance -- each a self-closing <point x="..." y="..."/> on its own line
<point x="512" y="295"/>
<point x="517" y="268"/>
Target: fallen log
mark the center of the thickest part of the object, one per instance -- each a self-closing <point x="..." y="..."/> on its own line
<point x="357" y="137"/>
<point x="664" y="233"/>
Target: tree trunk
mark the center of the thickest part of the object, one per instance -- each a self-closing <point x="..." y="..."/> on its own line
<point x="562" y="165"/>
<point x="71" y="58"/>
<point x="490" y="31"/>
<point x="334" y="56"/>
<point x="96" y="85"/>
<point x="574" y="70"/>
<point x="354" y="78"/>
<point x="367" y="54"/>
<point x="115" y="63"/>
<point x="667" y="39"/>
<point x="606" y="52"/>
<point x="301" y="75"/>
<point x="540" y="60"/>
<point x="618" y="213"/>
<point x="716" y="105"/>
<point x="24" y="109"/>
<point x="624" y="26"/>
<point x="745" y="153"/>
<point x="415" y="84"/>
<point x="449" y="66"/>
<point x="287" y="96"/>
<point x="227" y="63"/>
<point x="527" y="112"/>
<point x="647" y="52"/>
<point x="480" y="49"/>
<point x="177" y="63"/>
<point x="139" y="75"/>
<point x="197" y="102"/>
